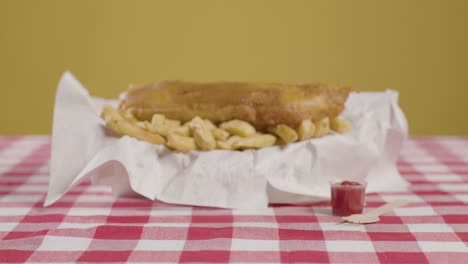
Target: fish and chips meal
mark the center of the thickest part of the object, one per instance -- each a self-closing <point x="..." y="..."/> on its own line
<point x="187" y="116"/>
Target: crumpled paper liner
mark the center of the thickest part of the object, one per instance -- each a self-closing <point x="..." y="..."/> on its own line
<point x="298" y="172"/>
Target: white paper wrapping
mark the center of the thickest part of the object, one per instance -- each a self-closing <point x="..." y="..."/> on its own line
<point x="299" y="172"/>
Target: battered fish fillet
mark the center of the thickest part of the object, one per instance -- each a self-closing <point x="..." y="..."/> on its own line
<point x="261" y="104"/>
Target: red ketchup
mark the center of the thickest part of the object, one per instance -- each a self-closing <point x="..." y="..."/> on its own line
<point x="347" y="198"/>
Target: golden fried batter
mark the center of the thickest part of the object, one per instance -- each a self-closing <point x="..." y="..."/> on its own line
<point x="261" y="104"/>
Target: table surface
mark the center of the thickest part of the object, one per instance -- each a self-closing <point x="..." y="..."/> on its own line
<point x="89" y="225"/>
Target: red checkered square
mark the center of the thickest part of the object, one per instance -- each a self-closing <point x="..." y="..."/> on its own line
<point x="205" y="256"/>
<point x="55" y="256"/>
<point x="48" y="218"/>
<point x="306" y="256"/>
<point x="391" y="236"/>
<point x="402" y="257"/>
<point x="255" y="256"/>
<point x="154" y="256"/>
<point x="14" y="256"/>
<point x="105" y="256"/>
<point x="118" y="232"/>
<point x="456" y="219"/>
<point x="298" y="234"/>
<point x="24" y="234"/>
<point x="463" y="236"/>
<point x="201" y="233"/>
<point x="120" y="219"/>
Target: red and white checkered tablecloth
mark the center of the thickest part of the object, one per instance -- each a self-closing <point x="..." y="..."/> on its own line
<point x="89" y="225"/>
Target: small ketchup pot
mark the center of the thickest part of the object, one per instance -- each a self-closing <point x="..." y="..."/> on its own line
<point x="347" y="197"/>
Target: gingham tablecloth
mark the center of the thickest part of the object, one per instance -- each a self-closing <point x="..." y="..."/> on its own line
<point x="89" y="225"/>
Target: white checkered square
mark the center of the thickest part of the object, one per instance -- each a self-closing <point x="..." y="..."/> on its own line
<point x="453" y="187"/>
<point x="58" y="243"/>
<point x="39" y="178"/>
<point x="82" y="211"/>
<point x="411" y="158"/>
<point x="459" y="167"/>
<point x="443" y="177"/>
<point x="238" y="244"/>
<point x="432" y="228"/>
<point x="322" y="211"/>
<point x="414" y="211"/>
<point x="442" y="246"/>
<point x="14" y="211"/>
<point x="413" y="149"/>
<point x="20" y="149"/>
<point x="163" y="245"/>
<point x="409" y="197"/>
<point x="171" y="211"/>
<point x="42" y="188"/>
<point x="7" y="227"/>
<point x="20" y="198"/>
<point x="44" y="169"/>
<point x="462" y="197"/>
<point x="95" y="198"/>
<point x="267" y="211"/>
<point x="431" y="167"/>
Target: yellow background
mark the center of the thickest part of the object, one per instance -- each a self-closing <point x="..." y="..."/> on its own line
<point x="416" y="47"/>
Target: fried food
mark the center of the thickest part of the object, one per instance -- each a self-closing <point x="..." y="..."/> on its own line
<point x="182" y="131"/>
<point x="322" y="127"/>
<point x="228" y="144"/>
<point x="158" y="120"/>
<point x="209" y="124"/>
<point x="181" y="143"/>
<point x="117" y="124"/>
<point x="190" y="116"/>
<point x="128" y="116"/>
<point x="286" y="133"/>
<point x="260" y="104"/>
<point x="171" y="123"/>
<point x="340" y="125"/>
<point x="255" y="142"/>
<point x="306" y="130"/>
<point x="220" y="134"/>
<point x="162" y="126"/>
<point x="202" y="134"/>
<point x="238" y="127"/>
<point x="141" y="124"/>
